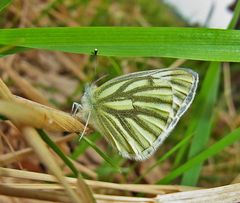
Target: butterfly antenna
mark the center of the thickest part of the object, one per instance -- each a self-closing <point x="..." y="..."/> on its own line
<point x="95" y="52"/>
<point x="104" y="76"/>
<point x="85" y="127"/>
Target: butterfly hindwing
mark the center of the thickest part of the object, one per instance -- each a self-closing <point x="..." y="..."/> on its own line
<point x="136" y="112"/>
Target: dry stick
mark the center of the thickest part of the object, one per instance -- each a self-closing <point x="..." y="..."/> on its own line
<point x="62" y="17"/>
<point x="39" y="116"/>
<point x="9" y="158"/>
<point x="24" y="14"/>
<point x="41" y="195"/>
<point x="51" y="187"/>
<point x="236" y="180"/>
<point x="84" y="190"/>
<point x="32" y="70"/>
<point x="17" y="191"/>
<point x="18" y="15"/>
<point x="228" y="90"/>
<point x="85" y="169"/>
<point x="5" y="92"/>
<point x="90" y="11"/>
<point x="6" y="95"/>
<point x="177" y="63"/>
<point x="25" y="86"/>
<point x="69" y="64"/>
<point x="1" y="146"/>
<point x="40" y="146"/>
<point x="229" y="193"/>
<point x="122" y="199"/>
<point x="49" y="79"/>
<point x="6" y="159"/>
<point x="151" y="189"/>
<point x="35" y="141"/>
<point x="2" y="135"/>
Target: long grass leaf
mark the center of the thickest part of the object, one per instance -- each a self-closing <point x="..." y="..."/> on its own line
<point x="235" y="17"/>
<point x="207" y="99"/>
<point x="4" y="4"/>
<point x="187" y="43"/>
<point x="82" y="147"/>
<point x="184" y="141"/>
<point x="56" y="149"/>
<point x="206" y="102"/>
<point x="102" y="154"/>
<point x="226" y="141"/>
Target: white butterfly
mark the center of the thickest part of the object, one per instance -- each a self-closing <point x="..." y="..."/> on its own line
<point x="136" y="112"/>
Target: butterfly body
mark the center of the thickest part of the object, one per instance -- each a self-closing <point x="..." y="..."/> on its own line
<point x="136" y="112"/>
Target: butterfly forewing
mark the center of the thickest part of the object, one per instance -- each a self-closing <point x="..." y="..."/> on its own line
<point x="136" y="112"/>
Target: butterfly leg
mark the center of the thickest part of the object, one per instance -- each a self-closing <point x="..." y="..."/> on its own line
<point x="85" y="127"/>
<point x="75" y="108"/>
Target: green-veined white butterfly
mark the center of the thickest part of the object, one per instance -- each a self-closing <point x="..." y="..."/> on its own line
<point x="136" y="112"/>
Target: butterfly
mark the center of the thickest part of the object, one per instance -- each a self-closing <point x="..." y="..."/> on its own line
<point x="136" y="112"/>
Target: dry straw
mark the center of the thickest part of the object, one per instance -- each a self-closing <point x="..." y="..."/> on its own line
<point x="41" y="190"/>
<point x="25" y="113"/>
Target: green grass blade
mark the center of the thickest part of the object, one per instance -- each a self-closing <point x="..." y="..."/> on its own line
<point x="165" y="156"/>
<point x="56" y="149"/>
<point x="106" y="171"/>
<point x="9" y="49"/>
<point x="83" y="145"/>
<point x="208" y="97"/>
<point x="187" y="43"/>
<point x="104" y="156"/>
<point x="4" y="4"/>
<point x="3" y="118"/>
<point x="183" y="150"/>
<point x="227" y="140"/>
<point x="235" y="17"/>
<point x="206" y="102"/>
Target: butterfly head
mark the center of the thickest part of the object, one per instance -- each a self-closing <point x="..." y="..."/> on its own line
<point x="87" y="102"/>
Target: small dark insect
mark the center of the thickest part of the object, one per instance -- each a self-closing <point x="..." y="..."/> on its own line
<point x="95" y="52"/>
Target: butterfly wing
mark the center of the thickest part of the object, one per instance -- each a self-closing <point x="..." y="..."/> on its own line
<point x="136" y="112"/>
